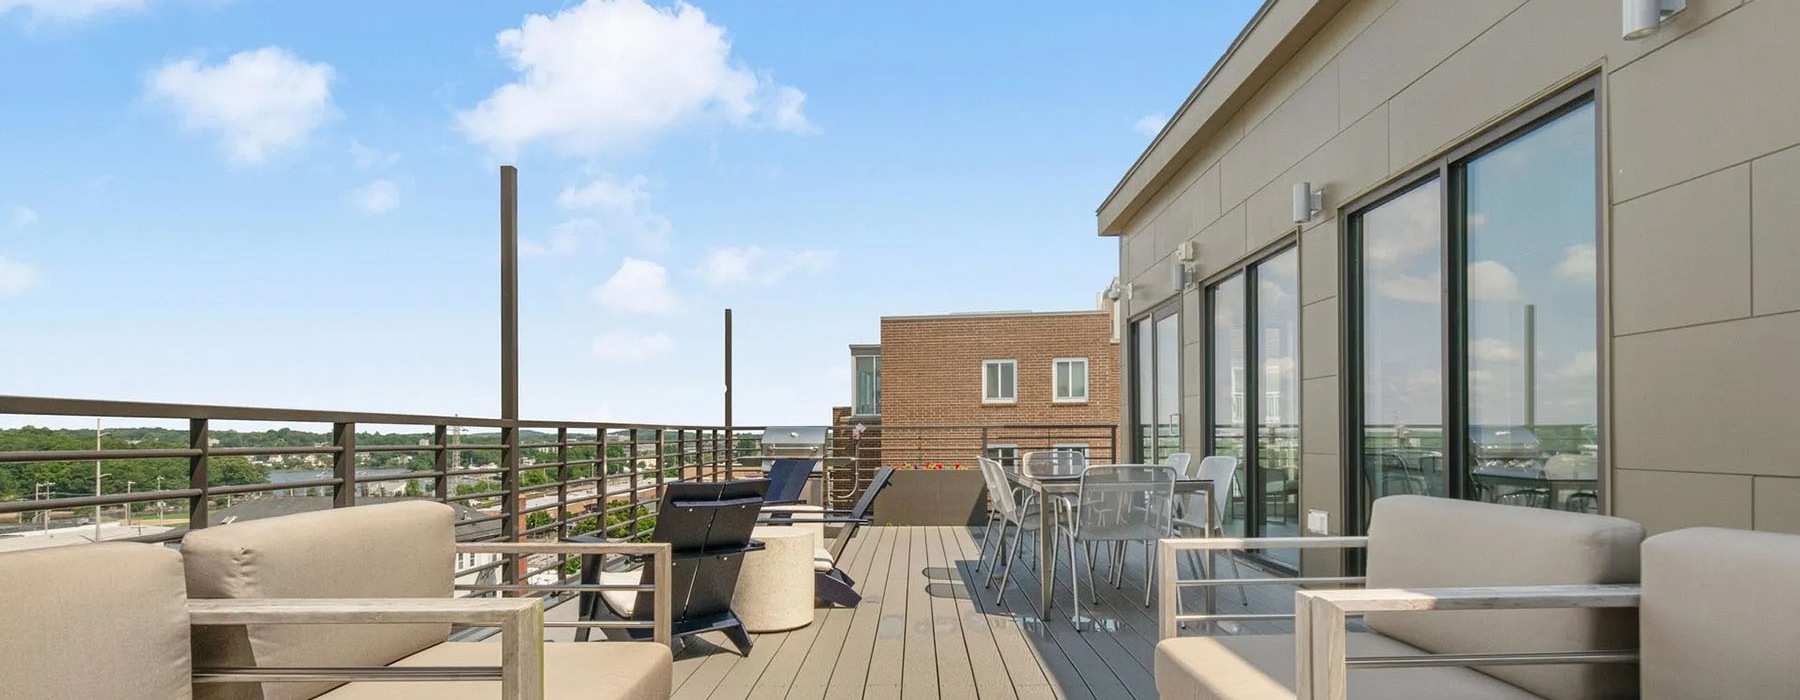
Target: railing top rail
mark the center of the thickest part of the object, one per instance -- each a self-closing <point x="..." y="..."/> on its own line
<point x="987" y="426"/>
<point x="51" y="406"/>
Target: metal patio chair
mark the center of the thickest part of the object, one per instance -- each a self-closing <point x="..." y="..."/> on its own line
<point x="1193" y="508"/>
<point x="1020" y="517"/>
<point x="1117" y="503"/>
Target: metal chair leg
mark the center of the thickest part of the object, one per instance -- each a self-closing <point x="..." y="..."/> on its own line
<point x="986" y="535"/>
<point x="1242" y="597"/>
<point x="1014" y="556"/>
<point x="999" y="553"/>
<point x="1149" y="570"/>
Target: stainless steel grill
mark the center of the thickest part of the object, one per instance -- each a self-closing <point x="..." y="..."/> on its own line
<point x="793" y="442"/>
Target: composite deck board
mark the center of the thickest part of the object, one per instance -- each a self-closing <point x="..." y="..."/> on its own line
<point x="1023" y="668"/>
<point x="929" y="628"/>
<point x="918" y="673"/>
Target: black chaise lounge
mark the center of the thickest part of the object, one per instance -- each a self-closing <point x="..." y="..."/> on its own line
<point x="830" y="583"/>
<point x="709" y="526"/>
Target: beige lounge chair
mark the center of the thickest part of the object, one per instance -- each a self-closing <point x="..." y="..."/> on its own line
<point x="397" y="550"/>
<point x="112" y="622"/>
<point x="1716" y="618"/>
<point x="1423" y="542"/>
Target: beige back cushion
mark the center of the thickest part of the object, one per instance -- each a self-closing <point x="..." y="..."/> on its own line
<point x="1719" y="617"/>
<point x="1422" y="542"/>
<point x="395" y="550"/>
<point x="93" y="621"/>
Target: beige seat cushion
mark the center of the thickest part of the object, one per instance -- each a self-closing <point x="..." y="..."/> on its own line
<point x="1261" y="667"/>
<point x="621" y="602"/>
<point x="1423" y="542"/>
<point x="1719" y="617"/>
<point x="94" y="621"/>
<point x="822" y="560"/>
<point x="395" y="550"/>
<point x="580" y="670"/>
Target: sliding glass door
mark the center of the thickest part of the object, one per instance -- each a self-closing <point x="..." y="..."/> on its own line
<point x="1156" y="384"/>
<point x="1475" y="320"/>
<point x="1253" y="387"/>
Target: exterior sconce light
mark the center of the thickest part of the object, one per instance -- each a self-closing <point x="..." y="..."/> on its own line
<point x="1644" y="17"/>
<point x="1308" y="202"/>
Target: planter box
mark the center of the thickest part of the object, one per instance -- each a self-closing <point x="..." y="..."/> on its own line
<point x="933" y="497"/>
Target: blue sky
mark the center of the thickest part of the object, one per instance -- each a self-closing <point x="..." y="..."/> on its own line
<point x="295" y="204"/>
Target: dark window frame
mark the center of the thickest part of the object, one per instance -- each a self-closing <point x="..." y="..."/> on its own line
<point x="1162" y="310"/>
<point x="1250" y="472"/>
<point x="1449" y="168"/>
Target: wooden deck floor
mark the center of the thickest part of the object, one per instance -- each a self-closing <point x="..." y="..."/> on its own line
<point x="928" y="628"/>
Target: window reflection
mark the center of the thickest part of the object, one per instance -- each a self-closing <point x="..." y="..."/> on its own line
<point x="1278" y="416"/>
<point x="1402" y="344"/>
<point x="1168" y="386"/>
<point x="1228" y="389"/>
<point x="1532" y="317"/>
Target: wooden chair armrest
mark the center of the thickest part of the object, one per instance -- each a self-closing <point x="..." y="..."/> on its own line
<point x="660" y="553"/>
<point x="1319" y="634"/>
<point x="521" y="623"/>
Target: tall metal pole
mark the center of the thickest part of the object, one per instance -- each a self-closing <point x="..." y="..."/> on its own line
<point x="730" y="442"/>
<point x="97" y="477"/>
<point x="509" y="292"/>
<point x="1531" y="365"/>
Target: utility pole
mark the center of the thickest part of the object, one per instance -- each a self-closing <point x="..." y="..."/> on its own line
<point x="97" y="477"/>
<point x="44" y="489"/>
<point x="159" y="502"/>
<point x="128" y="485"/>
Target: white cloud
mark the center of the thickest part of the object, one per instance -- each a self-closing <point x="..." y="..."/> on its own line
<point x="1150" y="124"/>
<point x="1583" y="365"/>
<point x="1578" y="264"/>
<point x="639" y="286"/>
<point x="257" y="102"/>
<point x="564" y="240"/>
<point x="16" y="277"/>
<point x="23" y="216"/>
<point x="1419" y="289"/>
<point x="1403" y="228"/>
<point x="377" y="197"/>
<point x="367" y="157"/>
<point x="1494" y="350"/>
<point x="754" y="265"/>
<point x="70" y="10"/>
<point x="610" y="73"/>
<point x="1492" y="281"/>
<point x="631" y="346"/>
<point x="618" y="208"/>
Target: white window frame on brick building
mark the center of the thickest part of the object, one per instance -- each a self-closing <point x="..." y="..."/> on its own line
<point x="1081" y="447"/>
<point x="1006" y="455"/>
<point x="1056" y="380"/>
<point x="1005" y="374"/>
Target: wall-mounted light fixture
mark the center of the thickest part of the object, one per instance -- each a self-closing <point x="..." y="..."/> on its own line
<point x="1644" y="17"/>
<point x="1308" y="202"/>
<point x="1115" y="290"/>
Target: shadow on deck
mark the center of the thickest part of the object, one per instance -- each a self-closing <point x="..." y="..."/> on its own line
<point x="929" y="628"/>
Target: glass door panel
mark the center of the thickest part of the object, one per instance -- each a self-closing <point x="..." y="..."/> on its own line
<point x="1277" y="432"/>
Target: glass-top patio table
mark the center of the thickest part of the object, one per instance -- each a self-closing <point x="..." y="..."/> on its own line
<point x="1065" y="479"/>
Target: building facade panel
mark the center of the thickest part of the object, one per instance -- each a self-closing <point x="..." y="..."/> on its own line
<point x="1694" y="233"/>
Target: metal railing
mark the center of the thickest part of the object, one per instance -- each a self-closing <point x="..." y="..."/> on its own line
<point x="512" y="480"/>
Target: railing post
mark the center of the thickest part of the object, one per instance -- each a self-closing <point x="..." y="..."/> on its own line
<point x="440" y="463"/>
<point x="199" y="438"/>
<point x="509" y="481"/>
<point x="730" y="468"/>
<point x="1112" y="447"/>
<point x="631" y="464"/>
<point x="603" y="491"/>
<point x="562" y="483"/>
<point x="343" y="467"/>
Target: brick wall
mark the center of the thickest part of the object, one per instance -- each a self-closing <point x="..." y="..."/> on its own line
<point x="931" y="374"/>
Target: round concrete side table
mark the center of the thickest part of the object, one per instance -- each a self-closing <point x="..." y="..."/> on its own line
<point x="775" y="586"/>
<point x="813" y="513"/>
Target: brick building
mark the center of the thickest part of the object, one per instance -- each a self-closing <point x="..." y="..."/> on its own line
<point x="945" y="388"/>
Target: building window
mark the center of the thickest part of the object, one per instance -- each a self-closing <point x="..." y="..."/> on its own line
<point x="1254" y="351"/>
<point x="999" y="381"/>
<point x="1156" y="383"/>
<point x="1071" y="379"/>
<point x="1080" y="447"/>
<point x="867" y="399"/>
<point x="1475" y="319"/>
<point x="1006" y="455"/>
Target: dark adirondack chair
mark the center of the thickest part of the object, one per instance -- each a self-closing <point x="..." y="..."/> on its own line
<point x="709" y="526"/>
<point x="830" y="583"/>
<point x="787" y="480"/>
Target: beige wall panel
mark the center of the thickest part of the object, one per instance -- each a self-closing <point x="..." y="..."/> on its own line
<point x="1777" y="504"/>
<point x="1140" y="249"/>
<point x="1715" y="398"/>
<point x="1682" y="255"/>
<point x="1221" y="244"/>
<point x="1320" y="49"/>
<point x="1532" y="50"/>
<point x="1319" y="263"/>
<point x="1319" y="339"/>
<point x="1353" y="161"/>
<point x="1775" y="232"/>
<point x="1664" y="501"/>
<point x="1725" y="93"/>
<point x="1319" y="415"/>
<point x="1404" y="43"/>
<point x="1295" y="129"/>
